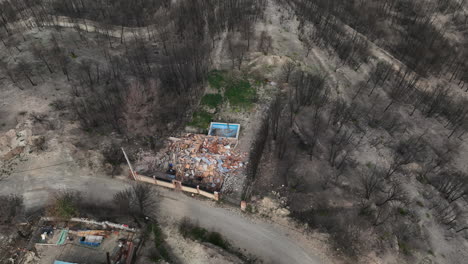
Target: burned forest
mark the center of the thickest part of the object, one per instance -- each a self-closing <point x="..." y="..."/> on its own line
<point x="342" y="120"/>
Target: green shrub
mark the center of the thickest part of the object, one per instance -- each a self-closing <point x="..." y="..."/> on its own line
<point x="197" y="233"/>
<point x="215" y="238"/>
<point x="212" y="100"/>
<point x="190" y="230"/>
<point x="193" y="231"/>
<point x="158" y="234"/>
<point x="402" y="211"/>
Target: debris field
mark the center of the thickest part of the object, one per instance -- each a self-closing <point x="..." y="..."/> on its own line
<point x="201" y="160"/>
<point x="84" y="241"/>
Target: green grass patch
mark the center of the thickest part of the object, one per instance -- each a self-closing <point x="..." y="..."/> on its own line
<point x="216" y="79"/>
<point x="193" y="231"/>
<point x="212" y="100"/>
<point x="201" y="119"/>
<point x="240" y="93"/>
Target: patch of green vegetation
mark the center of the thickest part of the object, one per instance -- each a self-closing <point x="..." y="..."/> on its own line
<point x="419" y="203"/>
<point x="240" y="93"/>
<point x="216" y="79"/>
<point x="157" y="232"/>
<point x="212" y="100"/>
<point x="66" y="205"/>
<point x="66" y="209"/>
<point x="402" y="211"/>
<point x="193" y="231"/>
<point x="161" y="252"/>
<point x="73" y="55"/>
<point x="201" y="119"/>
<point x="217" y="239"/>
<point x="430" y="252"/>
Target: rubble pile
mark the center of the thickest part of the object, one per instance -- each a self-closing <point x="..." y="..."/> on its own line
<point x="202" y="160"/>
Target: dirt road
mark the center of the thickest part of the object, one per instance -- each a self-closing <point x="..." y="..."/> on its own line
<point x="272" y="243"/>
<point x="269" y="242"/>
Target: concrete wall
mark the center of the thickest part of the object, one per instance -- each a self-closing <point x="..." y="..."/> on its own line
<point x="177" y="185"/>
<point x="92" y="222"/>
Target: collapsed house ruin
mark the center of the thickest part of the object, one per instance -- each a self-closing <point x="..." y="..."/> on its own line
<point x="197" y="160"/>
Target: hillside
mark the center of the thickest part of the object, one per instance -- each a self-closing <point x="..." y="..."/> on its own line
<point x="353" y="114"/>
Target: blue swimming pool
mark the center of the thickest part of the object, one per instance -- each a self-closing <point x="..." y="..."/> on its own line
<point x="224" y="130"/>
